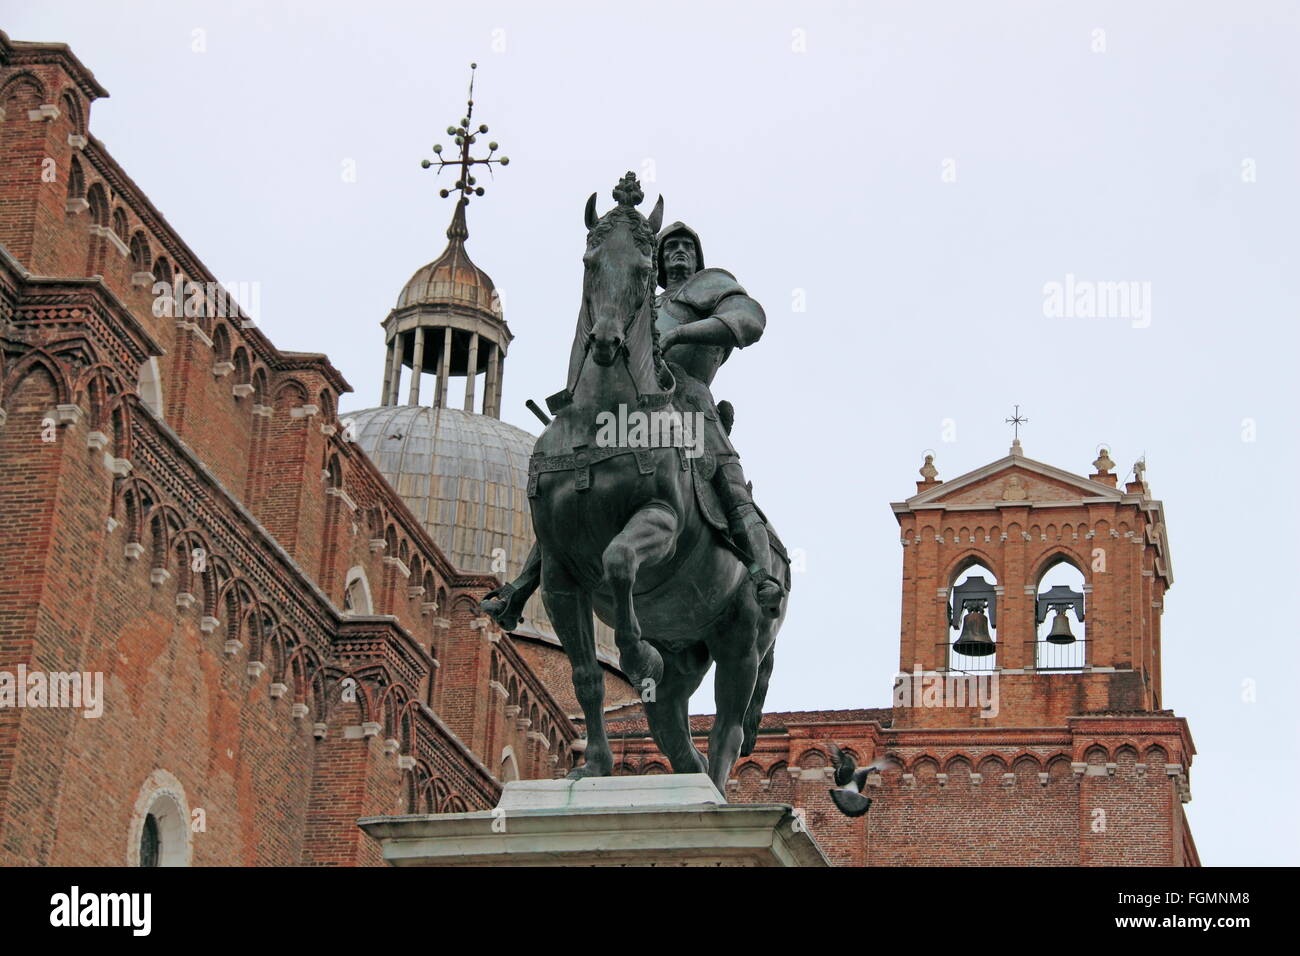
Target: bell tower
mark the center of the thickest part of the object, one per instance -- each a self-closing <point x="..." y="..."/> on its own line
<point x="1051" y="582"/>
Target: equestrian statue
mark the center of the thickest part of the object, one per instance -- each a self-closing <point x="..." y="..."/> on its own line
<point x="660" y="538"/>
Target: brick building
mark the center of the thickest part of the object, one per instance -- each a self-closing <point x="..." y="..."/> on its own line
<point x="282" y="599"/>
<point x="284" y="645"/>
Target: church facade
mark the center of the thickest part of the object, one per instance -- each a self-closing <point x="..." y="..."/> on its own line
<point x="236" y="620"/>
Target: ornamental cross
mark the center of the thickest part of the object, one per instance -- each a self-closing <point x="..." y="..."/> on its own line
<point x="1015" y="421"/>
<point x="464" y="137"/>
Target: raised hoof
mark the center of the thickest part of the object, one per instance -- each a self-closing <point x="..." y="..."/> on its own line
<point x="496" y="605"/>
<point x="642" y="663"/>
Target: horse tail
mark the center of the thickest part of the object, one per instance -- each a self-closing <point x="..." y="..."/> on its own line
<point x="754" y="713"/>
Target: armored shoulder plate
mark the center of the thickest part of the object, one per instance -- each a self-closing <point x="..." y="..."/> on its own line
<point x="704" y="290"/>
<point x="715" y="292"/>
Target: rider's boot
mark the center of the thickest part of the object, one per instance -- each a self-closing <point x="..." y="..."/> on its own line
<point x="751" y="535"/>
<point x="505" y="604"/>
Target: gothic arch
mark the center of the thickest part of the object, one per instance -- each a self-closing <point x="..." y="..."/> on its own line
<point x="25" y="91"/>
<point x="76" y="180"/>
<point x="39" y="358"/>
<point x="357" y="598"/>
<point x="72" y="109"/>
<point x="150" y="387"/>
<point x="97" y="197"/>
<point x="509" y="765"/>
<point x="1059" y="554"/>
<point x="970" y="558"/>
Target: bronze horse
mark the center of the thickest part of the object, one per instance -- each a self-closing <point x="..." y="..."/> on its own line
<point x="621" y="533"/>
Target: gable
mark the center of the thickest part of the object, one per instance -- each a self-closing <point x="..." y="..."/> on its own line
<point x="1028" y="486"/>
<point x="1013" y="478"/>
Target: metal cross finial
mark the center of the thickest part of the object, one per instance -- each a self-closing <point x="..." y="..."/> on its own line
<point x="1015" y="421"/>
<point x="465" y="136"/>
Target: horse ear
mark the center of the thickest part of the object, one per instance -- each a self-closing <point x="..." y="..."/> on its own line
<point x="657" y="217"/>
<point x="589" y="214"/>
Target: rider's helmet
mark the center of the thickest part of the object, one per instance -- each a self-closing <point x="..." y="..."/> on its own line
<point x="677" y="227"/>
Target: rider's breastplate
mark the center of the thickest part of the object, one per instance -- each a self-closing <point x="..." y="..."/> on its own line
<point x="700" y="361"/>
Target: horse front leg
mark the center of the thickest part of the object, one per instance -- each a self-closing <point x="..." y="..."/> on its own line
<point x="648" y="538"/>
<point x="736" y="652"/>
<point x="569" y="608"/>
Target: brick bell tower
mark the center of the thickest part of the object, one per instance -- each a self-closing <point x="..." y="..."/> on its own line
<point x="1028" y="723"/>
<point x="1059" y="579"/>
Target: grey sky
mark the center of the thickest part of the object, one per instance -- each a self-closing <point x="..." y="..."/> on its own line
<point x="818" y="171"/>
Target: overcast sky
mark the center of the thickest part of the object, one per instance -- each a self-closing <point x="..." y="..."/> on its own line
<point x="896" y="183"/>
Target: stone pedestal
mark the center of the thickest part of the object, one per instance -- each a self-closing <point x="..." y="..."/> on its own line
<point x="656" y="820"/>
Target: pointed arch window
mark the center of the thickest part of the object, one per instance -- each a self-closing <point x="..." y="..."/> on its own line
<point x="1060" y="616"/>
<point x="972" y="639"/>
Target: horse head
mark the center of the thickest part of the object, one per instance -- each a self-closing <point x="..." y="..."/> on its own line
<point x="618" y="267"/>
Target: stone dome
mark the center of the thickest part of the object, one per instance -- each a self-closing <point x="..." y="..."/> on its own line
<point x="452" y="280"/>
<point x="465" y="477"/>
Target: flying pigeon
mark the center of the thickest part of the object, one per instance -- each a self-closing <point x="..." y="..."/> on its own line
<point x="849" y="781"/>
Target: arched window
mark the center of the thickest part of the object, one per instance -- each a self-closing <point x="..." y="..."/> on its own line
<point x="259" y="386"/>
<point x="150" y="386"/>
<point x="76" y="181"/>
<point x="139" y="253"/>
<point x="972" y="620"/>
<point x="356" y="592"/>
<point x="509" y="766"/>
<point x="119" y="223"/>
<point x="160" y="826"/>
<point x="221" y="344"/>
<point x="98" y="205"/>
<point x="1059" y="618"/>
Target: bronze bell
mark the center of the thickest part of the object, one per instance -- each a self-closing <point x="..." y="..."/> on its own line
<point x="974" y="640"/>
<point x="1060" y="632"/>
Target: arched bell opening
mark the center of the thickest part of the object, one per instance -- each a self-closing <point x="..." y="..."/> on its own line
<point x="973" y="620"/>
<point x="1060" y="615"/>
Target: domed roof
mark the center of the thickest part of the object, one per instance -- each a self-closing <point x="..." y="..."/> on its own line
<point x="465" y="477"/>
<point x="452" y="279"/>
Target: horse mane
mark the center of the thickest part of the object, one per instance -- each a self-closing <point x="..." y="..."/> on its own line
<point x="641" y="232"/>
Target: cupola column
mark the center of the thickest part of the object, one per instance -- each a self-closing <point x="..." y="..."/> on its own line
<point x="471" y="372"/>
<point x="417" y="365"/>
<point x="388" y="372"/>
<point x="500" y="364"/>
<point x="395" y="384"/>
<point x="490" y="377"/>
<point x="444" y="373"/>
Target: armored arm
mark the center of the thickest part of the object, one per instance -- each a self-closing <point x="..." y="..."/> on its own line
<point x="733" y="319"/>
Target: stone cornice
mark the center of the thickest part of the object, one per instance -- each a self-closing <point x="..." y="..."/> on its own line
<point x="91" y="296"/>
<point x="311" y="362"/>
<point x="451" y="315"/>
<point x="381" y="639"/>
<point x="24" y="53"/>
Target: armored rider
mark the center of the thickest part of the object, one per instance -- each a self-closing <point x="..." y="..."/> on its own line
<point x="701" y="316"/>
